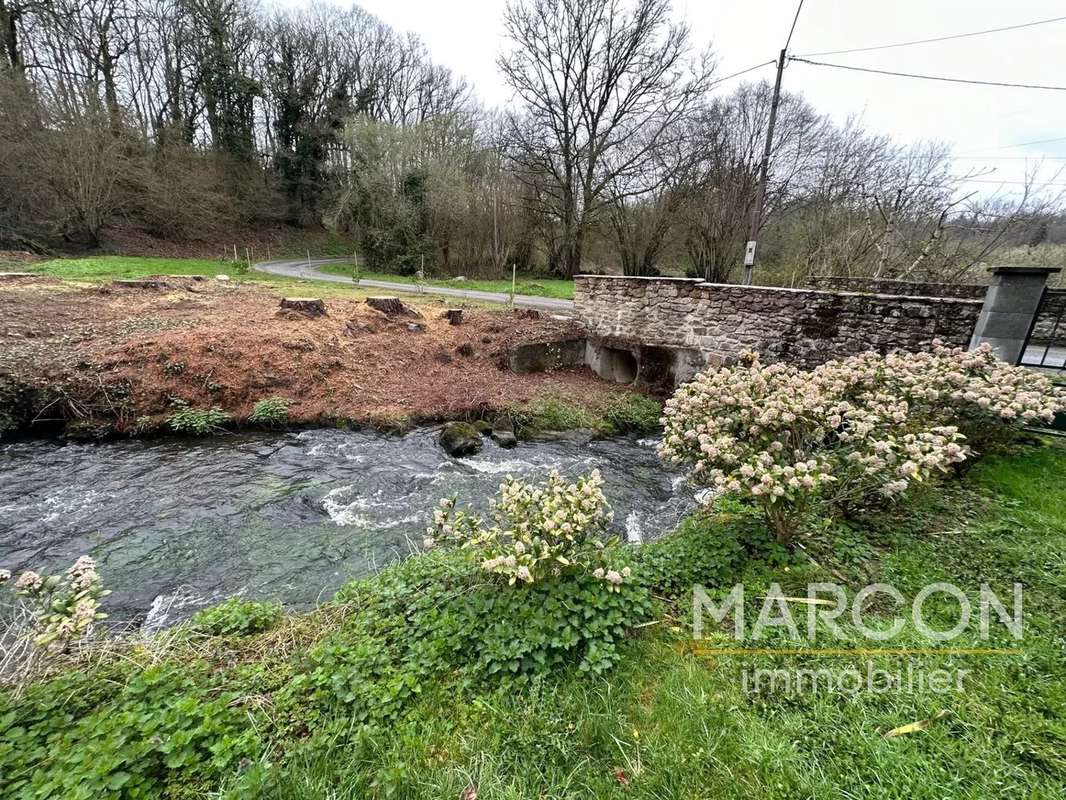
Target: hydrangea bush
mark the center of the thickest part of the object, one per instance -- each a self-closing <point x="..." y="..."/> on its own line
<point x="64" y="607"/>
<point x="984" y="397"/>
<point x="846" y="431"/>
<point x="535" y="531"/>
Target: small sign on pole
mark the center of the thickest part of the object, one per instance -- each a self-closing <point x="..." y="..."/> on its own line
<point x="749" y="254"/>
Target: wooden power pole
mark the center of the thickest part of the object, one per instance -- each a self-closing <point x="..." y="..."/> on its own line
<point x="764" y="167"/>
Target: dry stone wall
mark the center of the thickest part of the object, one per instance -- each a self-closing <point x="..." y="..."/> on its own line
<point x="972" y="291"/>
<point x="807" y="326"/>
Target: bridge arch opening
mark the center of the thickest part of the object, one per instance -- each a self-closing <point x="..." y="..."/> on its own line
<point x="617" y="365"/>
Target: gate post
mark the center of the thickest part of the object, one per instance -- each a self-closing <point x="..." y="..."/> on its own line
<point x="1011" y="304"/>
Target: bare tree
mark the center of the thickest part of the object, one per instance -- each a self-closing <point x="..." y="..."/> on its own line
<point x="592" y="75"/>
<point x="720" y="192"/>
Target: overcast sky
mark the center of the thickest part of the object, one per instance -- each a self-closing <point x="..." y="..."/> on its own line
<point x="980" y="121"/>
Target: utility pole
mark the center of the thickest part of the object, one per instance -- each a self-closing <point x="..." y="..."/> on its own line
<point x="760" y="192"/>
<point x="764" y="167"/>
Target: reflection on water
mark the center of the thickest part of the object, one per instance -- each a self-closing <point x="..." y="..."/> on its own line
<point x="178" y="524"/>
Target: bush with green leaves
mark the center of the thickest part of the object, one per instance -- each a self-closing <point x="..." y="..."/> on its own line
<point x="439" y="614"/>
<point x="152" y="734"/>
<point x="195" y="421"/>
<point x="236" y="617"/>
<point x="270" y="412"/>
<point x="701" y="550"/>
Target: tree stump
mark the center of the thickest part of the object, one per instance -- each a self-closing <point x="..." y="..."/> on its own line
<point x="309" y="306"/>
<point x="391" y="306"/>
<point x="454" y="316"/>
<point x="142" y="283"/>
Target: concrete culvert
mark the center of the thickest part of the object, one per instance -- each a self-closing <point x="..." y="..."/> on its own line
<point x="616" y="364"/>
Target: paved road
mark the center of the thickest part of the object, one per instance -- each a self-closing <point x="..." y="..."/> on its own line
<point x="304" y="270"/>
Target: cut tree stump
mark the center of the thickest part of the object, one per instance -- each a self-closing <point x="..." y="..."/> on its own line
<point x="391" y="306"/>
<point x="143" y="283"/>
<point x="454" y="316"/>
<point x="310" y="306"/>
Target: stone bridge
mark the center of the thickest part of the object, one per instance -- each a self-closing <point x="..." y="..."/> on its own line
<point x="659" y="332"/>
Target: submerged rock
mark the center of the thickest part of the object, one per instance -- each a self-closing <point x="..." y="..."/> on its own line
<point x="505" y="439"/>
<point x="503" y="433"/>
<point x="460" y="439"/>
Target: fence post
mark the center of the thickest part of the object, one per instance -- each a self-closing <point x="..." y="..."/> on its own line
<point x="1011" y="305"/>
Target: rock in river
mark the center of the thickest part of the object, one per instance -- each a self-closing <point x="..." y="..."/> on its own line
<point x="503" y="433"/>
<point x="460" y="439"/>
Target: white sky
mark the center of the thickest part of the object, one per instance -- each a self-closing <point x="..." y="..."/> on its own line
<point x="466" y="35"/>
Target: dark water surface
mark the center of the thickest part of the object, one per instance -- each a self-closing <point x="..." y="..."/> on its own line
<point x="178" y="524"/>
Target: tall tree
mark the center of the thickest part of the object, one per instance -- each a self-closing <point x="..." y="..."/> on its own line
<point x="592" y="77"/>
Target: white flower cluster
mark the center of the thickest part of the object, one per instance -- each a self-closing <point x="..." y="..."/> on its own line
<point x="64" y="607"/>
<point x="535" y="531"/>
<point x="845" y="430"/>
<point x="950" y="383"/>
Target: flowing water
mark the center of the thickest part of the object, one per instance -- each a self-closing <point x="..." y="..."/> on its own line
<point x="178" y="524"/>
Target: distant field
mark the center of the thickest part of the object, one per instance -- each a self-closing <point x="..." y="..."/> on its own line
<point x="99" y="269"/>
<point x="528" y="285"/>
<point x="107" y="268"/>
<point x="110" y="268"/>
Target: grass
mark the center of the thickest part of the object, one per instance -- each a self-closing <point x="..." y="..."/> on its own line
<point x="109" y="268"/>
<point x="669" y="724"/>
<point x="100" y="269"/>
<point x="623" y="413"/>
<point x="666" y="724"/>
<point x="525" y="285"/>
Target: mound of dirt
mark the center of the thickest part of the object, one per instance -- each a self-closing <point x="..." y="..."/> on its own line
<point x="120" y="356"/>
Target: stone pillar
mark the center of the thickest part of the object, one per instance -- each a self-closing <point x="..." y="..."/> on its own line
<point x="1011" y="302"/>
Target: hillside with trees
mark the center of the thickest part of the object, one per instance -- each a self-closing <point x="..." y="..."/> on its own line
<point x="203" y="121"/>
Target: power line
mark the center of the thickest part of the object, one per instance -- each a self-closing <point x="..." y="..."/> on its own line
<point x="795" y="19"/>
<point x="929" y="77"/>
<point x="935" y="39"/>
<point x="1038" y="141"/>
<point x="742" y="72"/>
<point x="1020" y="144"/>
<point x="1017" y="183"/>
<point x="1010" y="158"/>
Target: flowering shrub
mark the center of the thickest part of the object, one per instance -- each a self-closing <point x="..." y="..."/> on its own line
<point x="64" y="607"/>
<point x="846" y="431"/>
<point x="972" y="389"/>
<point x="535" y="531"/>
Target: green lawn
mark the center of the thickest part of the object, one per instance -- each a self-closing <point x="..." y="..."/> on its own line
<point x="527" y="285"/>
<point x="109" y="268"/>
<point x="666" y="724"/>
<point x="318" y="709"/>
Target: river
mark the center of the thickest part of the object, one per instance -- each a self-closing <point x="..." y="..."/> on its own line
<point x="178" y="524"/>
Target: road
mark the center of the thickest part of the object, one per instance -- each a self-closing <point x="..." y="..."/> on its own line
<point x="308" y="270"/>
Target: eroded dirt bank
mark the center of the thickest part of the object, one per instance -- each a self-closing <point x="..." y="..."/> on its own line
<point x="109" y="359"/>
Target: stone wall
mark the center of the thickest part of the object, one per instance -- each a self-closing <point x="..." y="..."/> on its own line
<point x="717" y="322"/>
<point x="972" y="291"/>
